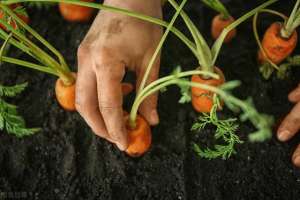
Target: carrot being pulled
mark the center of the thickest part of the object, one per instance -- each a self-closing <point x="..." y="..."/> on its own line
<point x="139" y="137"/>
<point x="220" y="21"/>
<point x="280" y="39"/>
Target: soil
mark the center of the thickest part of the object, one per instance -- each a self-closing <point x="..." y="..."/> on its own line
<point x="65" y="160"/>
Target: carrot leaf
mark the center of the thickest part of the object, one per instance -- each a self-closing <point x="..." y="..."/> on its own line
<point x="225" y="130"/>
<point x="10" y="120"/>
<point x="186" y="94"/>
<point x="40" y="5"/>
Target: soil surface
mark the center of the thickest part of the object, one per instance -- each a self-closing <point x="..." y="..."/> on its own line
<point x="67" y="161"/>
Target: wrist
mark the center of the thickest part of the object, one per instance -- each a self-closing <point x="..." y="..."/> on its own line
<point x="148" y="7"/>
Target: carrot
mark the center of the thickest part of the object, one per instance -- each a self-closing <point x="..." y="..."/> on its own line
<point x="276" y="47"/>
<point x="202" y="100"/>
<point x="75" y="13"/>
<point x="24" y="17"/>
<point x="139" y="138"/>
<point x="127" y="88"/>
<point x="218" y="25"/>
<point x="65" y="94"/>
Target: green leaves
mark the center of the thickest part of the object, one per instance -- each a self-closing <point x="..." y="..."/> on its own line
<point x="293" y="21"/>
<point x="12" y="91"/>
<point x="186" y="95"/>
<point x="282" y="72"/>
<point x="9" y="21"/>
<point x="225" y="130"/>
<point x="10" y="120"/>
<point x="40" y="5"/>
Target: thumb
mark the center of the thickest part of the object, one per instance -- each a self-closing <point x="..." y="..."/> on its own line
<point x="148" y="108"/>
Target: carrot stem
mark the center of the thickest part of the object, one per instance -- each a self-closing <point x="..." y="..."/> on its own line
<point x="292" y="23"/>
<point x="154" y="56"/>
<point x="256" y="36"/>
<point x="158" y="48"/>
<point x="28" y="65"/>
<point x="203" y="49"/>
<point x="37" y="36"/>
<point x="159" y="84"/>
<point x="16" y="43"/>
<point x="60" y="68"/>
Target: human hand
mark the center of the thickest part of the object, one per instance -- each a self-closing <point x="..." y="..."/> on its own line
<point x="291" y="124"/>
<point x="116" y="41"/>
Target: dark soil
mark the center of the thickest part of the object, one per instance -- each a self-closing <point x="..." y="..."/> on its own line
<point x="67" y="161"/>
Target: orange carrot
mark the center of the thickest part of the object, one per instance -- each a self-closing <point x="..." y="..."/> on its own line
<point x="12" y="22"/>
<point x="139" y="138"/>
<point x="202" y="100"/>
<point x="127" y="88"/>
<point x="75" y="13"/>
<point x="65" y="94"/>
<point x="218" y="25"/>
<point x="275" y="46"/>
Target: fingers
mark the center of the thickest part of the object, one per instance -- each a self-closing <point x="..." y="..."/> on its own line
<point x="296" y="157"/>
<point x="148" y="108"/>
<point x="290" y="125"/>
<point x="110" y="98"/>
<point x="86" y="100"/>
<point x="294" y="96"/>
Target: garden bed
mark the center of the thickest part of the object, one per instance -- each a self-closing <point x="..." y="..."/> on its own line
<point x="65" y="160"/>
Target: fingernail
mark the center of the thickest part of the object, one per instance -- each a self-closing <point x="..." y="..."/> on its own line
<point x="122" y="147"/>
<point x="154" y="117"/>
<point x="283" y="135"/>
<point x="297" y="161"/>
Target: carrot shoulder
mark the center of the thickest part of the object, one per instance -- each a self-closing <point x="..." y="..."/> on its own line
<point x="275" y="46"/>
<point x="65" y="94"/>
<point x="202" y="100"/>
<point x="139" y="138"/>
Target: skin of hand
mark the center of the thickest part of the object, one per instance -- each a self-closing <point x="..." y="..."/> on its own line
<point x="116" y="41"/>
<point x="291" y="124"/>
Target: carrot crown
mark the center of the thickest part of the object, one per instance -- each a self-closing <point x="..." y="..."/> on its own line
<point x="293" y="21"/>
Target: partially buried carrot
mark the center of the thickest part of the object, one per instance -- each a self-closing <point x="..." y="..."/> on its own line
<point x="276" y="47"/>
<point x="202" y="100"/>
<point x="139" y="138"/>
<point x="218" y="25"/>
<point x="75" y="13"/>
<point x="21" y="13"/>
